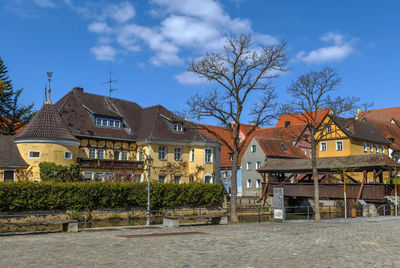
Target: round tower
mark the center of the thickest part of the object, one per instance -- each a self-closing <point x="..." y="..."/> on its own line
<point x="47" y="139"/>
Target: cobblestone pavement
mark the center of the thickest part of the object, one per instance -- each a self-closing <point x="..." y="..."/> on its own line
<point x="361" y="243"/>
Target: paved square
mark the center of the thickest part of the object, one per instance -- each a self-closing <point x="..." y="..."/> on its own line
<point x="372" y="242"/>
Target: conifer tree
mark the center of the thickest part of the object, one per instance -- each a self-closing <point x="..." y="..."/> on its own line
<point x="13" y="115"/>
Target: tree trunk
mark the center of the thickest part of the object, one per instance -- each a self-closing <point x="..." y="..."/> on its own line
<point x="234" y="217"/>
<point x="317" y="216"/>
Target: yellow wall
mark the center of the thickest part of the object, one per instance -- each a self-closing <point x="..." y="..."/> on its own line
<point x="185" y="167"/>
<point x="350" y="146"/>
<point x="48" y="153"/>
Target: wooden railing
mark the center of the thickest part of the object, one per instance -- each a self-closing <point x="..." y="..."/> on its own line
<point x="109" y="164"/>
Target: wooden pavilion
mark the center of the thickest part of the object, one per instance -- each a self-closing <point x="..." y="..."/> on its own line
<point x="295" y="176"/>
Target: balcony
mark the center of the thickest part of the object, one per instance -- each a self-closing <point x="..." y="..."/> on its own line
<point x="109" y="164"/>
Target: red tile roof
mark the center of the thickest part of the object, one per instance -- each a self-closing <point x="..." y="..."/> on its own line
<point x="279" y="148"/>
<point x="290" y="133"/>
<point x="384" y="115"/>
<point x="224" y="134"/>
<point x="294" y="120"/>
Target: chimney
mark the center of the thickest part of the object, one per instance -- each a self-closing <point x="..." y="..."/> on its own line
<point x="287" y="123"/>
<point x="351" y="124"/>
<point x="77" y="89"/>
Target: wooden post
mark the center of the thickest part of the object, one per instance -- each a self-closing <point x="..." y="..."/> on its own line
<point x="374" y="175"/>
<point x="362" y="185"/>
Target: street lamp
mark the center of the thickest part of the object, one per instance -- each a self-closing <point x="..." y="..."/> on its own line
<point x="149" y="161"/>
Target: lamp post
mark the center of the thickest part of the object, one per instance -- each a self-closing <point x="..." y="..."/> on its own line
<point x="149" y="161"/>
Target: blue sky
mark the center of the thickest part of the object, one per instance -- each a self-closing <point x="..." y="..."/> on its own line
<point x="148" y="44"/>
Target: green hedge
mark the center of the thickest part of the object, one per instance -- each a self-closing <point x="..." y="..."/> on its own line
<point x="27" y="196"/>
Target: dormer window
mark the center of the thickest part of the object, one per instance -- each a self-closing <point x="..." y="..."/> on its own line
<point x="108" y="122"/>
<point x="178" y="128"/>
<point x="283" y="147"/>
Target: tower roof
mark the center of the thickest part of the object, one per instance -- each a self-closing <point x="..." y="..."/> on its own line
<point x="46" y="125"/>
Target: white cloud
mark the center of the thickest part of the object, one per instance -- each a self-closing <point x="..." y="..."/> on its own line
<point x="104" y="52"/>
<point x="265" y="39"/>
<point x="99" y="27"/>
<point x="341" y="49"/>
<point x="122" y="12"/>
<point x="188" y="78"/>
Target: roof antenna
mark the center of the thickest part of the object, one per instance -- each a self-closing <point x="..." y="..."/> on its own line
<point x="110" y="81"/>
<point x="49" y="75"/>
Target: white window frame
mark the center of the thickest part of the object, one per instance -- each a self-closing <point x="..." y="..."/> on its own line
<point x="29" y="154"/>
<point x="249" y="183"/>
<point x="178" y="127"/>
<point x="65" y="155"/>
<point x="253" y="149"/>
<point x="383" y="148"/>
<point x="139" y="155"/>
<point x="97" y="153"/>
<point x="88" y="172"/>
<point x="338" y="147"/>
<point x="180" y="179"/>
<point x="98" y="121"/>
<point x="103" y="175"/>
<point x="126" y="154"/>
<point x="365" y="147"/>
<point x="192" y="155"/>
<point x="371" y="147"/>
<point x="258" y="183"/>
<point x="13" y="170"/>
<point x="258" y="164"/>
<point x="164" y="176"/>
<point x="104" y="122"/>
<point x="322" y="148"/>
<point x="111" y="122"/>
<point x="119" y="155"/>
<point x="376" y="148"/>
<point x="328" y="129"/>
<point x="178" y="153"/>
<point x="248" y="166"/>
<point x="211" y="178"/>
<point x="208" y="157"/>
<point x="162" y="151"/>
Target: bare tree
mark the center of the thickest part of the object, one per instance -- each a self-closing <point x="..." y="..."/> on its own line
<point x="311" y="94"/>
<point x="238" y="75"/>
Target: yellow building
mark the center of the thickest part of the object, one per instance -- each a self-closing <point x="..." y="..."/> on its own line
<point x="111" y="138"/>
<point x="349" y="137"/>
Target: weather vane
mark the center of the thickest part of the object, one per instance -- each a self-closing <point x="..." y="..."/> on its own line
<point x="49" y="75"/>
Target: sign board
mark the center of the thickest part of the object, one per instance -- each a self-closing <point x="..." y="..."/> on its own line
<point x="279" y="204"/>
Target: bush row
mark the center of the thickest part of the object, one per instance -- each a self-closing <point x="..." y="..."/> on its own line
<point x="27" y="196"/>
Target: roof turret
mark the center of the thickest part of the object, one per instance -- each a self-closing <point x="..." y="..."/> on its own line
<point x="47" y="125"/>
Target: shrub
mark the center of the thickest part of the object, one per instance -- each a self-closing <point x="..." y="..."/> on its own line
<point x="50" y="171"/>
<point x="25" y="196"/>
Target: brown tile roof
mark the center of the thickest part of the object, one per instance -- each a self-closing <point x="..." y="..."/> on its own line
<point x="10" y="156"/>
<point x="279" y="148"/>
<point x="352" y="163"/>
<point x="359" y="129"/>
<point x="79" y="108"/>
<point x="294" y="120"/>
<point x="224" y="133"/>
<point x="390" y="131"/>
<point x="46" y="125"/>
